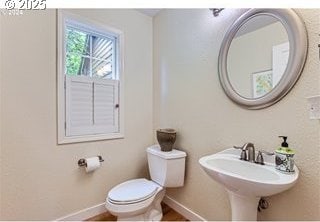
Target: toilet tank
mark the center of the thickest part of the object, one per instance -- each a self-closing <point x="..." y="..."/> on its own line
<point x="166" y="168"/>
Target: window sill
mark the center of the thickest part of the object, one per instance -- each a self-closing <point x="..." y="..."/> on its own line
<point x="89" y="138"/>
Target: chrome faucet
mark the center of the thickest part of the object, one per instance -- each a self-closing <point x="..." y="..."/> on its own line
<point x="247" y="148"/>
<point x="251" y="151"/>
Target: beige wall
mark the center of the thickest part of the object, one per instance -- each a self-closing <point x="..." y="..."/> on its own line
<point x="39" y="179"/>
<point x="189" y="98"/>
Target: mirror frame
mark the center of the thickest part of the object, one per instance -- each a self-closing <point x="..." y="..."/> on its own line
<point x="298" y="44"/>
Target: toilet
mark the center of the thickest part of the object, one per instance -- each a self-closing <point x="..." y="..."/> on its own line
<point x="139" y="199"/>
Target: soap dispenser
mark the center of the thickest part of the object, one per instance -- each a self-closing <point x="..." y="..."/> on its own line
<point x="284" y="157"/>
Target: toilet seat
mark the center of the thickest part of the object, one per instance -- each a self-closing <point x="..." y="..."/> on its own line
<point x="133" y="191"/>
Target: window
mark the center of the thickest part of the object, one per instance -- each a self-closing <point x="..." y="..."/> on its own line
<point x="89" y="54"/>
<point x="89" y="80"/>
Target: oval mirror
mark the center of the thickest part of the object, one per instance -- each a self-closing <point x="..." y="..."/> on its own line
<point x="262" y="56"/>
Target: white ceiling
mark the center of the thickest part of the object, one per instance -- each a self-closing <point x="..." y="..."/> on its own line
<point x="149" y="11"/>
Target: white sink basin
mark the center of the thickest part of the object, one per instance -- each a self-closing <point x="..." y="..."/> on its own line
<point x="246" y="182"/>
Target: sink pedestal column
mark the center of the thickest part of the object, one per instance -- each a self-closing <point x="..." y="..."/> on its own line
<point x="243" y="207"/>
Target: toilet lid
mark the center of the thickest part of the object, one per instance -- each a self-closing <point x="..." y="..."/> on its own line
<point x="132" y="191"/>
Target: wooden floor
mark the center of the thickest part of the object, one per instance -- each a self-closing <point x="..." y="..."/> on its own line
<point x="168" y="215"/>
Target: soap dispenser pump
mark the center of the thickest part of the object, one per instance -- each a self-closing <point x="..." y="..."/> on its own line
<point x="284" y="143"/>
<point x="284" y="157"/>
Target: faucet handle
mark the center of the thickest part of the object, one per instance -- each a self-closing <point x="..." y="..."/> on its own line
<point x="238" y="147"/>
<point x="243" y="155"/>
<point x="260" y="159"/>
<point x="245" y="146"/>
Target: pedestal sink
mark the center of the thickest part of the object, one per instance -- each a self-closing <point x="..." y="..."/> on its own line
<point x="246" y="182"/>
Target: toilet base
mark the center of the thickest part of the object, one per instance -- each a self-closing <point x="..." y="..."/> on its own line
<point x="153" y="212"/>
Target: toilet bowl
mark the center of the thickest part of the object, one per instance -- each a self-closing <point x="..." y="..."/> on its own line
<point x="140" y="199"/>
<point x="137" y="199"/>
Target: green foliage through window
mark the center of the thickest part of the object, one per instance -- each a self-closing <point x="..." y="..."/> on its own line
<point x="89" y="54"/>
<point x="77" y="42"/>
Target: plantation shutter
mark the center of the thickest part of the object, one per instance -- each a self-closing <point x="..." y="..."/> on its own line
<point x="105" y="106"/>
<point x="91" y="106"/>
<point x="79" y="109"/>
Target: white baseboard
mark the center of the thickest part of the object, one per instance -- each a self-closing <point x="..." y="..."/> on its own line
<point x="100" y="208"/>
<point x="85" y="213"/>
<point x="184" y="211"/>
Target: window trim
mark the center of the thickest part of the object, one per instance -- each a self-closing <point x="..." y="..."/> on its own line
<point x="64" y="17"/>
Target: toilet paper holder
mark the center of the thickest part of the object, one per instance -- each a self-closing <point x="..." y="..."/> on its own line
<point x="82" y="162"/>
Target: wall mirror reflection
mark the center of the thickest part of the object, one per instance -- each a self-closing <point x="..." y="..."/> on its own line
<point x="258" y="56"/>
<point x="262" y="56"/>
